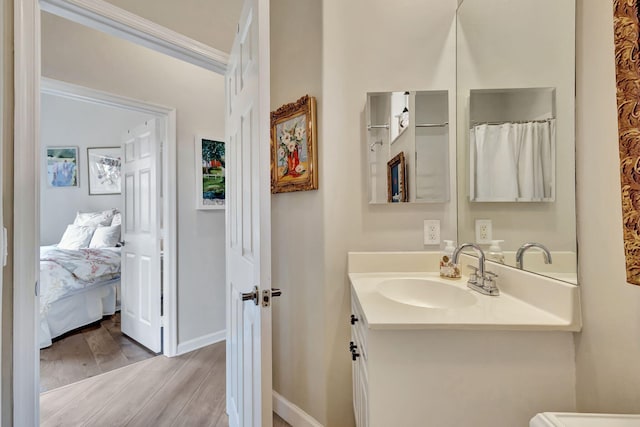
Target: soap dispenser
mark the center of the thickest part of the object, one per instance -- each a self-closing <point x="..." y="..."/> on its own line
<point x="447" y="268"/>
<point x="495" y="252"/>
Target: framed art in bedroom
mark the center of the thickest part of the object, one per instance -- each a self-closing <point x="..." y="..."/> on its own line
<point x="105" y="166"/>
<point x="62" y="167"/>
<point x="210" y="173"/>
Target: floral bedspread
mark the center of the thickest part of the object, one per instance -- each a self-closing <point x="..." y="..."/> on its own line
<point x="65" y="272"/>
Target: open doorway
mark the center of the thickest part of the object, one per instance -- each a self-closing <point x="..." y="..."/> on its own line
<point x="82" y="216"/>
<point x="85" y="59"/>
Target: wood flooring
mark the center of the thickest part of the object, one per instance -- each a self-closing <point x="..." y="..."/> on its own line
<point x="187" y="390"/>
<point x="92" y="350"/>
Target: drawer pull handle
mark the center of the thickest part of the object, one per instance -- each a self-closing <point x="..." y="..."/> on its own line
<point x="354" y="319"/>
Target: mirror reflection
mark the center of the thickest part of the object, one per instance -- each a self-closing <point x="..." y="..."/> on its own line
<point x="515" y="127"/>
<point x="408" y="146"/>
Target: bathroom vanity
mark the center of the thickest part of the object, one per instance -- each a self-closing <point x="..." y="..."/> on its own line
<point x="430" y="351"/>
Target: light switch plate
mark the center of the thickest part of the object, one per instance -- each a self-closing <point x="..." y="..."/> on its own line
<point x="483" y="231"/>
<point x="431" y="232"/>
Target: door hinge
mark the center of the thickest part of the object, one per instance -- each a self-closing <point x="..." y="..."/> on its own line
<point x="37" y="289"/>
<point x="163" y="321"/>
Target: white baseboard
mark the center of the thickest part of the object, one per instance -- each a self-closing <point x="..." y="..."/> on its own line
<point x="203" y="341"/>
<point x="291" y="413"/>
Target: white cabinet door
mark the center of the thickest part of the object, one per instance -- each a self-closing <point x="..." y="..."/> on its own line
<point x="141" y="277"/>
<point x="248" y="239"/>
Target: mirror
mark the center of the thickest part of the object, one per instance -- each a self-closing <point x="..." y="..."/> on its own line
<point x="408" y="146"/>
<point x="515" y="125"/>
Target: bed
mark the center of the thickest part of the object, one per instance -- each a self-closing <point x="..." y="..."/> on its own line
<point x="78" y="285"/>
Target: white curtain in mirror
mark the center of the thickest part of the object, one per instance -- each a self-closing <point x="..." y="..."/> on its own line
<point x="512" y="162"/>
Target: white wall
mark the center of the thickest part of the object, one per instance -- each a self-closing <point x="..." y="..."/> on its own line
<point x="297" y="234"/>
<point x="66" y="122"/>
<point x="210" y="22"/>
<point x="370" y="46"/>
<point x="73" y="53"/>
<point x="608" y="349"/>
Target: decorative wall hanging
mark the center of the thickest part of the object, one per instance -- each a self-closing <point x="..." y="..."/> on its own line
<point x="396" y="180"/>
<point x="210" y="173"/>
<point x="627" y="57"/>
<point x="294" y="157"/>
<point x="105" y="166"/>
<point x="62" y="167"/>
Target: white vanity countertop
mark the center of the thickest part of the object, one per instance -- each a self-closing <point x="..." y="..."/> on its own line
<point x="503" y="312"/>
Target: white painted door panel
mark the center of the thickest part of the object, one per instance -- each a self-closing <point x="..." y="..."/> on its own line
<point x="248" y="220"/>
<point x="141" y="275"/>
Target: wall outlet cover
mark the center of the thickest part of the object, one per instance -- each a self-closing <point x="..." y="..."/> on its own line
<point x="483" y="231"/>
<point x="432" y="232"/>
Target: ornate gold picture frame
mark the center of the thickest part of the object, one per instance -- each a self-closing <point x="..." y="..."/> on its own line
<point x="627" y="57"/>
<point x="294" y="157"/>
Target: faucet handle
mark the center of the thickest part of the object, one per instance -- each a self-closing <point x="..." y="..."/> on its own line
<point x="489" y="283"/>
<point x="473" y="276"/>
<point x="490" y="275"/>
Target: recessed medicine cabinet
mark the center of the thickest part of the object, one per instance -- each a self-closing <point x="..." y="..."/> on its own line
<point x="408" y="146"/>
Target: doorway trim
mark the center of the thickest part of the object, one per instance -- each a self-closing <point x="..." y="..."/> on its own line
<point x="169" y="190"/>
<point x="27" y="70"/>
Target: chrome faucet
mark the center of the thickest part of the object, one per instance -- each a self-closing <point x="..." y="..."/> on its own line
<point x="480" y="280"/>
<point x="522" y="249"/>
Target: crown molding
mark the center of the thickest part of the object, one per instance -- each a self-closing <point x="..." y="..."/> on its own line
<point x="113" y="20"/>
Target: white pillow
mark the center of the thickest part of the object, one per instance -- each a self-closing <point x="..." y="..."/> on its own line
<point x="76" y="237"/>
<point x="105" y="237"/>
<point x="94" y="219"/>
<point x="117" y="219"/>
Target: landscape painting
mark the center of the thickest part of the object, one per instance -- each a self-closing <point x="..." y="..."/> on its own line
<point x="210" y="174"/>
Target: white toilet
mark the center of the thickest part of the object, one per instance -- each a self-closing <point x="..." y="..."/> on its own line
<point x="568" y="419"/>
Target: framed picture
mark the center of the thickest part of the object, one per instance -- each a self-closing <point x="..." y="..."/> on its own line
<point x="62" y="167"/>
<point x="294" y="159"/>
<point x="396" y="180"/>
<point x="210" y="176"/>
<point x="105" y="168"/>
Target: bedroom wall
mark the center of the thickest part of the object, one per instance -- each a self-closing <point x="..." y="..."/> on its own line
<point x="68" y="122"/>
<point x="76" y="54"/>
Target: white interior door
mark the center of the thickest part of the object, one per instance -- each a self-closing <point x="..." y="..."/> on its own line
<point x="141" y="276"/>
<point x="248" y="221"/>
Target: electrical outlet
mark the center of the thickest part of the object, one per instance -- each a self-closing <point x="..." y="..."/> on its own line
<point x="483" y="231"/>
<point x="431" y="232"/>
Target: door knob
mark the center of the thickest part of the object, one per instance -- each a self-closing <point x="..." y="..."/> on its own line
<point x="252" y="296"/>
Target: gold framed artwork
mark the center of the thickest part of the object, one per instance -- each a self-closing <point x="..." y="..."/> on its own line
<point x="294" y="152"/>
<point x="626" y="35"/>
<point x="396" y="180"/>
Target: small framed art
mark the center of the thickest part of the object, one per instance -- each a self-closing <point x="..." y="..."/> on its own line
<point x="105" y="168"/>
<point x="396" y="180"/>
<point x="294" y="159"/>
<point x="210" y="173"/>
<point x="62" y="167"/>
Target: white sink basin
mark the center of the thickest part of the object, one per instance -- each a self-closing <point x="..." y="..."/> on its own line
<point x="426" y="293"/>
